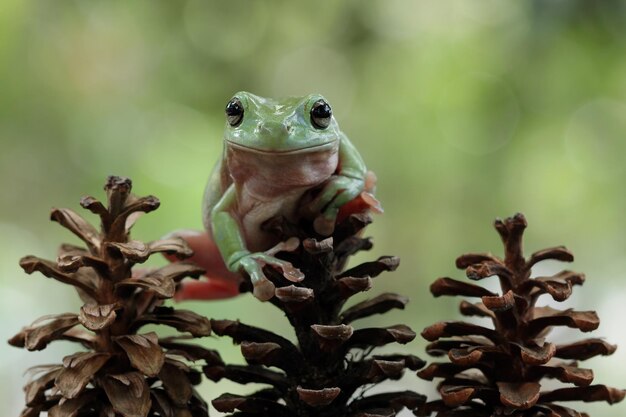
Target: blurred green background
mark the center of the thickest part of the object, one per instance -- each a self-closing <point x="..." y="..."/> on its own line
<point x="466" y="111"/>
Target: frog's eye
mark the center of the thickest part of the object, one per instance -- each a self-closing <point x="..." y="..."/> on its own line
<point x="321" y="114"/>
<point x="234" y="112"/>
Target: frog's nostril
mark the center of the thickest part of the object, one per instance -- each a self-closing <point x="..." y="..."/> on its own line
<point x="263" y="128"/>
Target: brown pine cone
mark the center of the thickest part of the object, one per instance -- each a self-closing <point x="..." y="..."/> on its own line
<point x="121" y="371"/>
<point x="500" y="371"/>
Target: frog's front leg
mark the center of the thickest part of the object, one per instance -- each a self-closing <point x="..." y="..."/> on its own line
<point x="345" y="186"/>
<point x="228" y="237"/>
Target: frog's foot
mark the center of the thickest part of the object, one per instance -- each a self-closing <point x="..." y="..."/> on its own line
<point x="263" y="288"/>
<point x="341" y="197"/>
<point x="338" y="191"/>
<point x="219" y="282"/>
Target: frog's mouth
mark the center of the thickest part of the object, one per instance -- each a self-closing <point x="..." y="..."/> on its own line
<point x="304" y="149"/>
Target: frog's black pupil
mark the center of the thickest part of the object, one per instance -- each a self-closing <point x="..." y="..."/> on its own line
<point x="233" y="108"/>
<point x="234" y="112"/>
<point x="322" y="111"/>
<point x="321" y="114"/>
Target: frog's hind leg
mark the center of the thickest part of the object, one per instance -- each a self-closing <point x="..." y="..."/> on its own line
<point x="218" y="282"/>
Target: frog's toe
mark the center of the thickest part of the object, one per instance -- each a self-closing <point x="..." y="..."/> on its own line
<point x="289" y="271"/>
<point x="325" y="223"/>
<point x="263" y="289"/>
<point x="371" y="202"/>
<point x="289" y="245"/>
<point x="292" y="273"/>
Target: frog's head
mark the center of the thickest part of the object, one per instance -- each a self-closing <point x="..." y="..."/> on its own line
<point x="290" y="125"/>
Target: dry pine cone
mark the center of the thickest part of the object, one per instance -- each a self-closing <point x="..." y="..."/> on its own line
<point x="325" y="374"/>
<point x="500" y="371"/>
<point x="122" y="372"/>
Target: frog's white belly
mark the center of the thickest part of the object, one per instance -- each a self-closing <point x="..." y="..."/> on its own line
<point x="256" y="210"/>
<point x="272" y="184"/>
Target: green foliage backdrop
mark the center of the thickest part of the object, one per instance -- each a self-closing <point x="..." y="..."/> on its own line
<point x="465" y="110"/>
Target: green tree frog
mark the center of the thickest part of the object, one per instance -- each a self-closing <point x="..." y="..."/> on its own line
<point x="275" y="153"/>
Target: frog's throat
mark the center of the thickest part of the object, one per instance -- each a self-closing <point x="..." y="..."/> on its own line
<point x="306" y="149"/>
